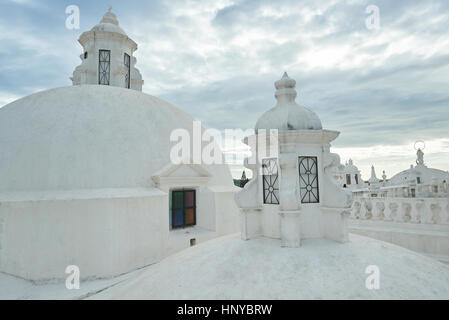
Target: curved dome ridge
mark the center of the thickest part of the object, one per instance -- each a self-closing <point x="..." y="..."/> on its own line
<point x="287" y="114"/>
<point x="109" y="23"/>
<point x="87" y="137"/>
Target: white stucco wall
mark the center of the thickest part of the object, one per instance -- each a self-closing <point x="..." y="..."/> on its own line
<point x="102" y="236"/>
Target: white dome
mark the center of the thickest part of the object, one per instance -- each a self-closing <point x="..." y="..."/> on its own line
<point x="287" y="114"/>
<point x="351" y="168"/>
<point x="109" y="23"/>
<point x="231" y="268"/>
<point x="425" y="174"/>
<point x="89" y="136"/>
<point x="108" y="27"/>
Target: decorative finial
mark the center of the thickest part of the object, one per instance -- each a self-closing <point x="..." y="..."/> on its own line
<point x="285" y="88"/>
<point x="109" y="17"/>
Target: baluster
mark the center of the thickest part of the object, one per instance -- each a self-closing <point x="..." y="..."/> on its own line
<point x="378" y="208"/>
<point x="355" y="210"/>
<point x="414" y="213"/>
<point x="363" y="210"/>
<point x="387" y="212"/>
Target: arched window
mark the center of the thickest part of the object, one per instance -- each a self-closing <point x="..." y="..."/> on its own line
<point x="308" y="179"/>
<point x="270" y="181"/>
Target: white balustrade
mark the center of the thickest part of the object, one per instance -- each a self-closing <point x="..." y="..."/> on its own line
<point x="402" y="210"/>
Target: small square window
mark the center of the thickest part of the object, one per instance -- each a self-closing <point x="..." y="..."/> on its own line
<point x="182" y="208"/>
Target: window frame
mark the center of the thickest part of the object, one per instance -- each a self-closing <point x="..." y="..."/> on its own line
<point x="308" y="183"/>
<point x="184" y="207"/>
<point x="348" y="179"/>
<point x="128" y="70"/>
<point x="271" y="183"/>
<point x="100" y="67"/>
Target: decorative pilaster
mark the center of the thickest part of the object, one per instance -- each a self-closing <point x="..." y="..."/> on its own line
<point x="289" y="205"/>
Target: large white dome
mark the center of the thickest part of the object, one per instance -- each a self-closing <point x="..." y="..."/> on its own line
<point x="426" y="175"/>
<point x="89" y="136"/>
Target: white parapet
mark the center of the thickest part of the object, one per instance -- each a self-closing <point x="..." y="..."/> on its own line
<point x="419" y="224"/>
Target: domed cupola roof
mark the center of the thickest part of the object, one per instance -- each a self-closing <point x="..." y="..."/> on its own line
<point x="287" y="114"/>
<point x="426" y="175"/>
<point x="351" y="168"/>
<point x="109" y="23"/>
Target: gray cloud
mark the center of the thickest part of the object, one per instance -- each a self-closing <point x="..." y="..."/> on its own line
<point x="218" y="60"/>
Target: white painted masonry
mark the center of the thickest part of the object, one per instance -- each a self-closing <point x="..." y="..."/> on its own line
<point x="299" y="134"/>
<point x="86" y="175"/>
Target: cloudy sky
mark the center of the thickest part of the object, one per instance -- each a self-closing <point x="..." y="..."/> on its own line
<point x="382" y="88"/>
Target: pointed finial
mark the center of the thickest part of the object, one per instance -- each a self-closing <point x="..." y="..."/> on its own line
<point x="285" y="88"/>
<point x="109" y="17"/>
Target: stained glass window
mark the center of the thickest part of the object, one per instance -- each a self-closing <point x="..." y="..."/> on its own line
<point x="128" y="70"/>
<point x="270" y="181"/>
<point x="183" y="208"/>
<point x="308" y="179"/>
<point x="104" y="66"/>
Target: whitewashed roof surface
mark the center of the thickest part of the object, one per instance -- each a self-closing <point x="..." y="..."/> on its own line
<point x="231" y="268"/>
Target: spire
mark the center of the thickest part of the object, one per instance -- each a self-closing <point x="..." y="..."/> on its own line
<point x="285" y="88"/>
<point x="109" y="17"/>
<point x="373" y="178"/>
<point x="243" y="180"/>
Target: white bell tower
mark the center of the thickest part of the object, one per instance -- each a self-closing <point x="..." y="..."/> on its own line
<point x="108" y="56"/>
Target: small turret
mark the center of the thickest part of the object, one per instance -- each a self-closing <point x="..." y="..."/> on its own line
<point x="108" y="56"/>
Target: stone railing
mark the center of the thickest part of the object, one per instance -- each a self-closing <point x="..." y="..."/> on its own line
<point x="411" y="210"/>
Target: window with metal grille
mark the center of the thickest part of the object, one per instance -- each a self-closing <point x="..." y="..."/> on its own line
<point x="183" y="208"/>
<point x="270" y="181"/>
<point x="308" y="180"/>
<point x="104" y="66"/>
<point x="128" y="71"/>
